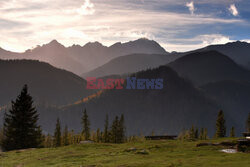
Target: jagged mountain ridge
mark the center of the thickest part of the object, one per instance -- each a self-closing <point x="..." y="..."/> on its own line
<point x="80" y="59"/>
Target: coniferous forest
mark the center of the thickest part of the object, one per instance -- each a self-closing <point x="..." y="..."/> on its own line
<point x="21" y="129"/>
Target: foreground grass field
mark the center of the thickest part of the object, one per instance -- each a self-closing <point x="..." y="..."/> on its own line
<point x="146" y="154"/>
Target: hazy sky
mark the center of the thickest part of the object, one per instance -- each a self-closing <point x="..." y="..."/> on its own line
<point x="176" y="24"/>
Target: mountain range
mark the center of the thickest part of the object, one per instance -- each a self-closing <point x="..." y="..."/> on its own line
<point x="236" y="51"/>
<point x="196" y="85"/>
<point x="80" y="59"/>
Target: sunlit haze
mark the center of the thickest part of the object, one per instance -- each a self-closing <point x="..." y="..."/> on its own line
<point x="177" y="25"/>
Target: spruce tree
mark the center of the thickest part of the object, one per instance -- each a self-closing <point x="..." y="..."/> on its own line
<point x="57" y="134"/>
<point x="114" y="130"/>
<point x="20" y="129"/>
<point x="192" y="132"/>
<point x="232" y="132"/>
<point x="248" y="123"/>
<point x="201" y="137"/>
<point x="196" y="133"/>
<point x="65" y="136"/>
<point x="220" y="125"/>
<point x="205" y="136"/>
<point x="1" y="136"/>
<point x="41" y="137"/>
<point x="98" y="135"/>
<point x="48" y="141"/>
<point x="121" y="130"/>
<point x="86" y="125"/>
<point x="106" y="130"/>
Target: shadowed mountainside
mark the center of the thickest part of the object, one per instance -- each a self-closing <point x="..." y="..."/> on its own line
<point x="177" y="106"/>
<point x="233" y="97"/>
<point x="47" y="84"/>
<point x="211" y="66"/>
<point x="130" y="64"/>
<point x="237" y="51"/>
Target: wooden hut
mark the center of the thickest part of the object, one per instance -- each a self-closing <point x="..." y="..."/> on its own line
<point x="165" y="137"/>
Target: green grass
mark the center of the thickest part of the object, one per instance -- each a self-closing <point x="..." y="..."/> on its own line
<point x="160" y="154"/>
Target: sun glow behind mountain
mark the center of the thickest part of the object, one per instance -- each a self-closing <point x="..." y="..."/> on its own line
<point x="177" y="25"/>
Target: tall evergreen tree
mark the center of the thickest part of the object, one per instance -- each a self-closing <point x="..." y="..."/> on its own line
<point x="220" y="125"/>
<point x="205" y="134"/>
<point x="65" y="136"/>
<point x="196" y="133"/>
<point x="114" y="130"/>
<point x="48" y="141"/>
<point x="201" y="136"/>
<point x="86" y="125"/>
<point x="57" y="134"/>
<point x="106" y="130"/>
<point x="1" y="136"/>
<point x="98" y="135"/>
<point x="121" y="130"/>
<point x="20" y="124"/>
<point x="192" y="132"/>
<point x="232" y="132"/>
<point x="248" y="123"/>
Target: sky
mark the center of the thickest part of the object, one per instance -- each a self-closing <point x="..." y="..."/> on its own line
<point x="177" y="25"/>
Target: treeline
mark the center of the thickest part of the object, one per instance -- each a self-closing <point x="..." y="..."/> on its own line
<point x="194" y="133"/>
<point x="111" y="134"/>
<point x="21" y="130"/>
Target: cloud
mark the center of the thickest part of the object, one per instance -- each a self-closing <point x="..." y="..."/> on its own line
<point x="86" y="9"/>
<point x="233" y="10"/>
<point x="9" y="24"/>
<point x="191" y="7"/>
<point x="110" y="21"/>
<point x="213" y="39"/>
<point x="246" y="40"/>
<point x="196" y="42"/>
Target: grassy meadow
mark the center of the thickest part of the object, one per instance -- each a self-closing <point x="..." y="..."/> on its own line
<point x="144" y="154"/>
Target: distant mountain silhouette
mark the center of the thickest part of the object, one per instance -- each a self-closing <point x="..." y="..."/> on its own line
<point x="142" y="45"/>
<point x="47" y="84"/>
<point x="80" y="59"/>
<point x="130" y="64"/>
<point x="211" y="66"/>
<point x="237" y="51"/>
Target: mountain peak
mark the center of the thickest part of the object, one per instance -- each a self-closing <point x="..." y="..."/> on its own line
<point x="93" y="44"/>
<point x="151" y="45"/>
<point x="238" y="43"/>
<point x="116" y="44"/>
<point x="143" y="39"/>
<point x="54" y="42"/>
